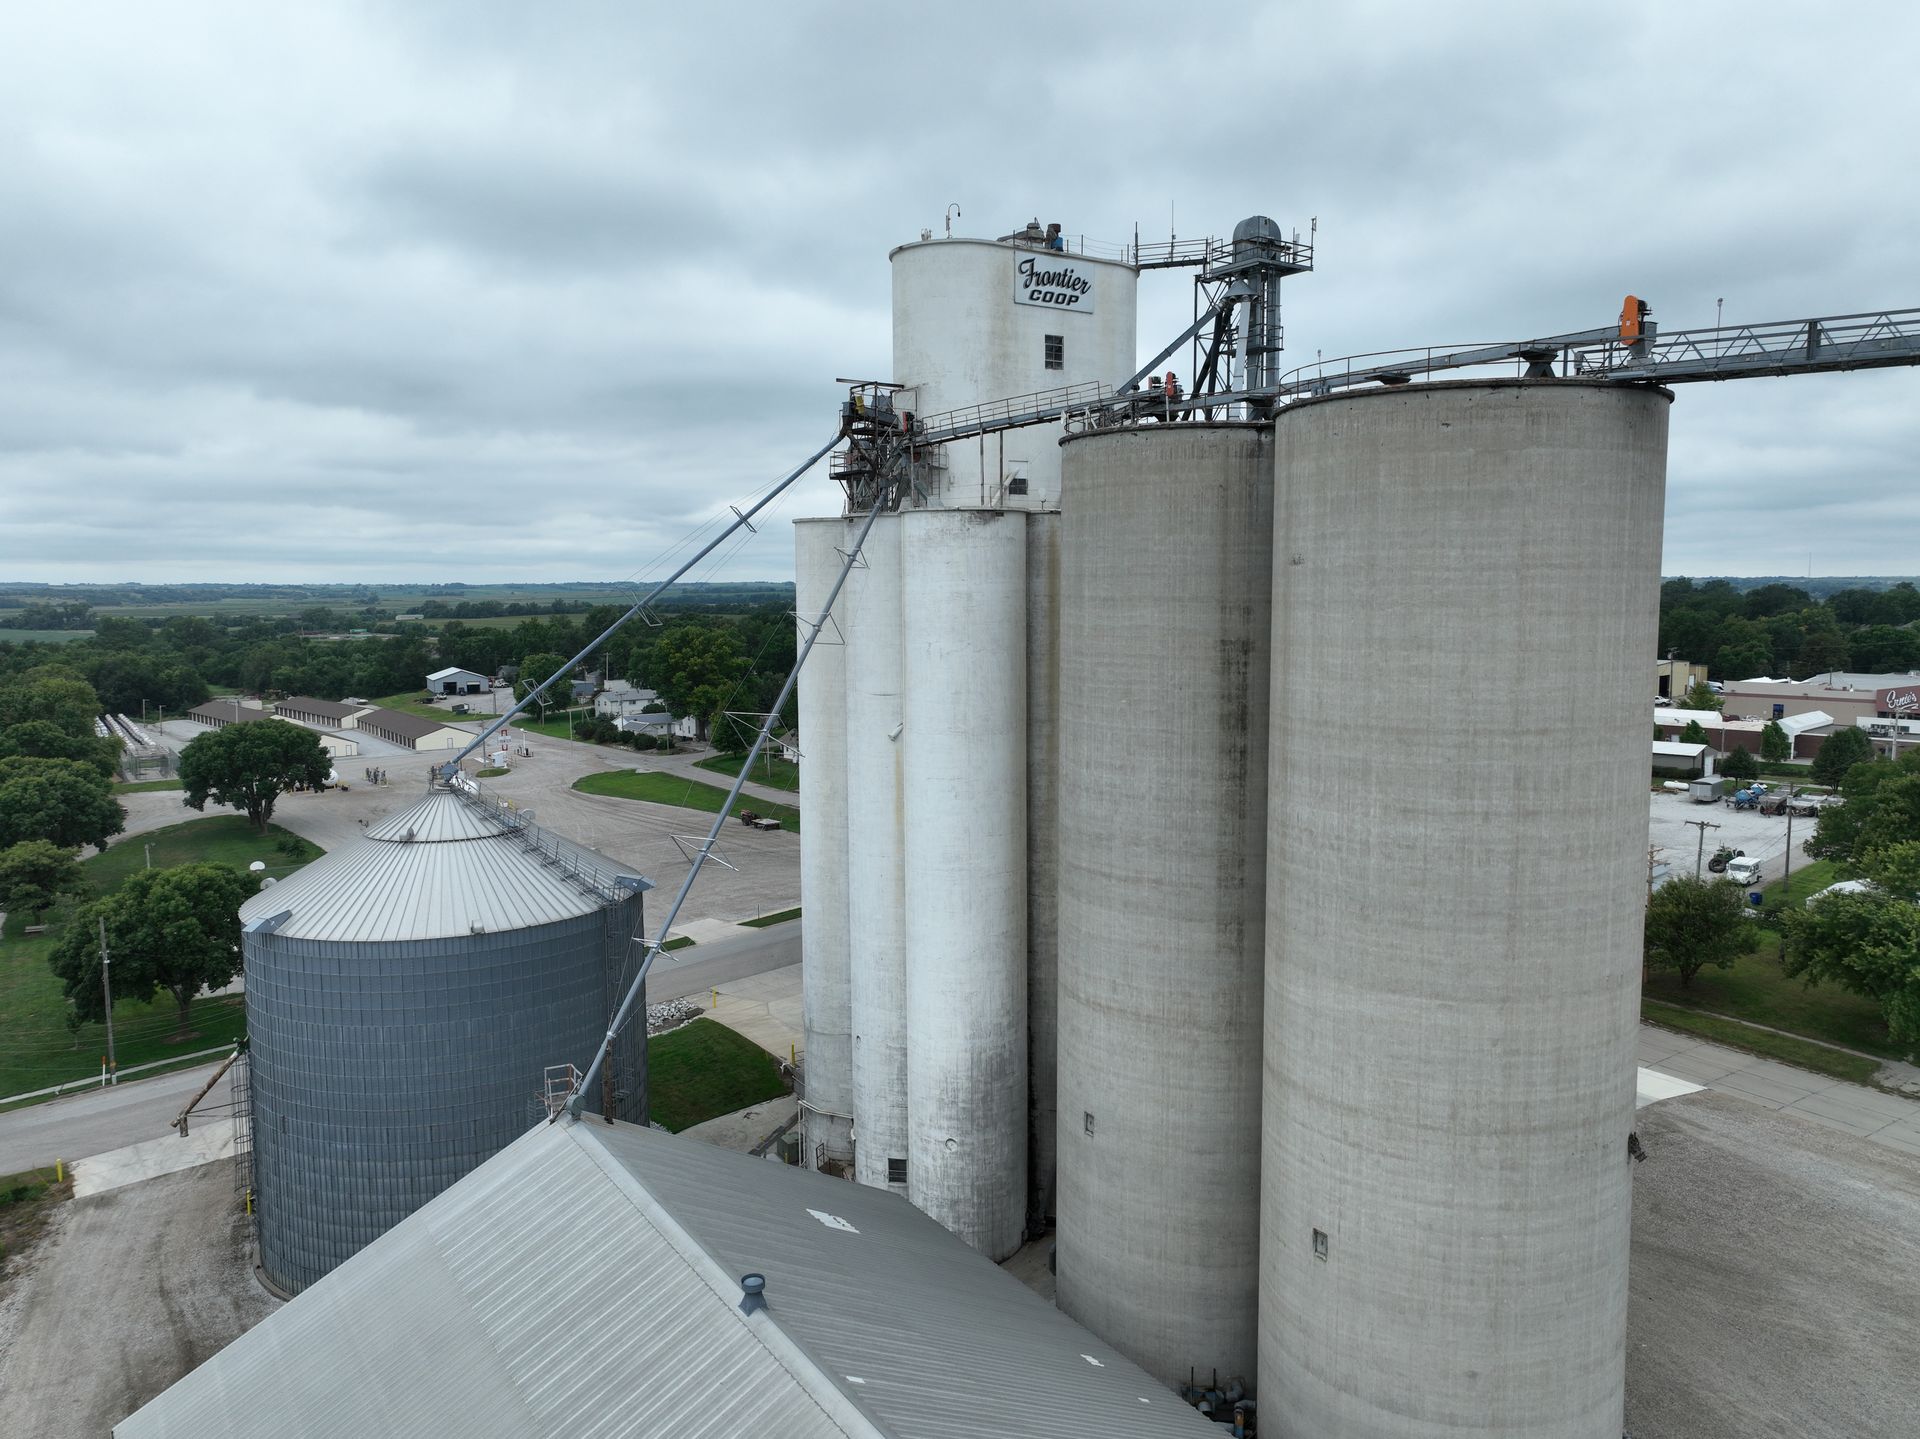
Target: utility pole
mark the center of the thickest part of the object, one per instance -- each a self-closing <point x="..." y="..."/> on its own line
<point x="1700" y="851"/>
<point x="106" y="985"/>
<point x="1653" y="862"/>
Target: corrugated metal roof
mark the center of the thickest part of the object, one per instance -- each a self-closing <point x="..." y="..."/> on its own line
<point x="460" y="872"/>
<point x="307" y="704"/>
<point x="397" y="722"/>
<point x="585" y="1282"/>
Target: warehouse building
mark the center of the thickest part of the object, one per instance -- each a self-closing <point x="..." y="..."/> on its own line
<point x="452" y="681"/>
<point x="218" y="714"/>
<point x="321" y="714"/>
<point x="597" y="1279"/>
<point x="411" y="731"/>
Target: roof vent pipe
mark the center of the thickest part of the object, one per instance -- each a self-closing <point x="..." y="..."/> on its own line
<point x="752" y="1293"/>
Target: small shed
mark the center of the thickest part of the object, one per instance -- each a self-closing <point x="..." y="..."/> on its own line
<point x="1693" y="761"/>
<point x="456" y="682"/>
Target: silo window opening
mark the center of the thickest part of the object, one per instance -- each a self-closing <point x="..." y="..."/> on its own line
<point x="1089" y="1121"/>
<point x="1319" y="1244"/>
<point x="1056" y="352"/>
<point x="896" y="1171"/>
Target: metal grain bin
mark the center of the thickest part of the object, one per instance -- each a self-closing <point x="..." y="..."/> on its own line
<point x="404" y="998"/>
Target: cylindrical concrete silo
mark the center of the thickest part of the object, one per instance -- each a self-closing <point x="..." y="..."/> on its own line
<point x="876" y="899"/>
<point x="1164" y="606"/>
<point x="819" y="552"/>
<point x="964" y="710"/>
<point x="1466" y="580"/>
<point x="1043" y="853"/>
<point x="405" y="996"/>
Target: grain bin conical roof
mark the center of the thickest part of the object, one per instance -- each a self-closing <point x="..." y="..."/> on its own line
<point x="434" y="870"/>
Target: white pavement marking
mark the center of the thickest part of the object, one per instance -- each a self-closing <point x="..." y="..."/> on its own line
<point x="1651" y="1086"/>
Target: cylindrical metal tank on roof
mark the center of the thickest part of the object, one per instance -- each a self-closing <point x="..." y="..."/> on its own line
<point x="819" y="549"/>
<point x="979" y="320"/>
<point x="876" y="865"/>
<point x="964" y="711"/>
<point x="1165" y="595"/>
<point x="405" y="996"/>
<point x="1043" y="853"/>
<point x="1456" y="876"/>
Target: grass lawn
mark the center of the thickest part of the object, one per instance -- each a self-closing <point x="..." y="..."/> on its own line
<point x="410" y="702"/>
<point x="144" y="785"/>
<point x="675" y="790"/>
<point x="779" y="916"/>
<point x="1756" y="989"/>
<point x="26" y="1201"/>
<point x="684" y="941"/>
<point x="703" y="1070"/>
<point x="1759" y="1041"/>
<point x="769" y="770"/>
<point x="36" y="1047"/>
<point x="554" y="726"/>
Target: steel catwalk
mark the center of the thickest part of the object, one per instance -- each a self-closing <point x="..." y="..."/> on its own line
<point x="1453" y="920"/>
<point x="876" y="897"/>
<point x="964" y="707"/>
<point x="819" y="547"/>
<point x="1164" y="606"/>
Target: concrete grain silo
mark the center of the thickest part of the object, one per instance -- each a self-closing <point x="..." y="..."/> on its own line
<point x="1456" y="875"/>
<point x="964" y="714"/>
<point x="876" y="860"/>
<point x="827" y="1108"/>
<point x="1165" y="597"/>
<point x="405" y="996"/>
<point x="1043" y="845"/>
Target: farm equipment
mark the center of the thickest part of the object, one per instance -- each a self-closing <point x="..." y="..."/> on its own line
<point x="1724" y="856"/>
<point x="758" y="821"/>
<point x="1748" y="798"/>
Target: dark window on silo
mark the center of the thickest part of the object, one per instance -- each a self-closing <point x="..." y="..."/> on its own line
<point x="1056" y="352"/>
<point x="1089" y="1114"/>
<point x="1319" y="1244"/>
<point x="1017" y="485"/>
<point x="896" y="1171"/>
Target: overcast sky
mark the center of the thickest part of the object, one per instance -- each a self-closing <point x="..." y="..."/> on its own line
<point x="422" y="291"/>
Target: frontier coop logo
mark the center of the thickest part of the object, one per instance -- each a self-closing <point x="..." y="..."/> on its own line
<point x="1053" y="281"/>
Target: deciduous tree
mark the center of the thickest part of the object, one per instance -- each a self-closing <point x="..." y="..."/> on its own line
<point x="63" y="801"/>
<point x="1700" y="697"/>
<point x="35" y="874"/>
<point x="174" y="929"/>
<point x="1774" y="744"/>
<point x="1740" y="764"/>
<point x="1867" y="943"/>
<point x="1840" y="752"/>
<point x="249" y="766"/>
<point x="1692" y="923"/>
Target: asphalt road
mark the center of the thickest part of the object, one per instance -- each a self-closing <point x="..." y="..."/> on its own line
<point x="98" y="1120"/>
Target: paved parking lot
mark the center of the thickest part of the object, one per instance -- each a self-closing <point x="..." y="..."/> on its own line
<point x="1763" y="837"/>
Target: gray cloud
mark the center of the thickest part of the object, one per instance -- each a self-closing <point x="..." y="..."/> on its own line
<point x="475" y="291"/>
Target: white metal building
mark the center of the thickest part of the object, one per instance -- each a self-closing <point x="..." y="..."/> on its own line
<point x="587" y="1281"/>
<point x="452" y="681"/>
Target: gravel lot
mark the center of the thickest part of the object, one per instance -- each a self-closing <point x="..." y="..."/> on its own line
<point x="1763" y="837"/>
<point x="1774" y="1288"/>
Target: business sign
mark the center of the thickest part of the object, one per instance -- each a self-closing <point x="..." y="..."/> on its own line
<point x="1903" y="701"/>
<point x="1052" y="280"/>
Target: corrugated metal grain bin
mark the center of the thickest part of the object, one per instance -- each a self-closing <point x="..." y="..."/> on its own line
<point x="404" y="997"/>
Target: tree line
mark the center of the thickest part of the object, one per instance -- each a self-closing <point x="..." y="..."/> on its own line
<point x="1782" y="631"/>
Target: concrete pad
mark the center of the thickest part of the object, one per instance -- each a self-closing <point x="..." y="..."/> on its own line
<point x="710" y="931"/>
<point x="1825" y="1121"/>
<point x="1761" y="1089"/>
<point x="1849" y="1109"/>
<point x="766" y="1008"/>
<point x="205" y="1142"/>
<point x="744" y="1129"/>
<point x="1651" y="1086"/>
<point x="1702" y="1068"/>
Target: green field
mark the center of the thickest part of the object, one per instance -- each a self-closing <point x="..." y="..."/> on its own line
<point x="768" y="770"/>
<point x="45" y="637"/>
<point x="36" y="1047"/>
<point x="1759" y="1041"/>
<point x="413" y="702"/>
<point x="703" y="1070"/>
<point x="657" y="788"/>
<point x="1757" y="990"/>
<point x="146" y="785"/>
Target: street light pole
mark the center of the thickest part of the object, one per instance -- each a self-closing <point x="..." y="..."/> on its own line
<point x="106" y="986"/>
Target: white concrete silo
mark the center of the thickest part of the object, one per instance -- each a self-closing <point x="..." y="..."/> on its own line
<point x="981" y="320"/>
<point x="1043" y="845"/>
<point x="1165" y="599"/>
<point x="1456" y="874"/>
<point x="876" y="861"/>
<point x="819" y="547"/>
<point x="964" y="710"/>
